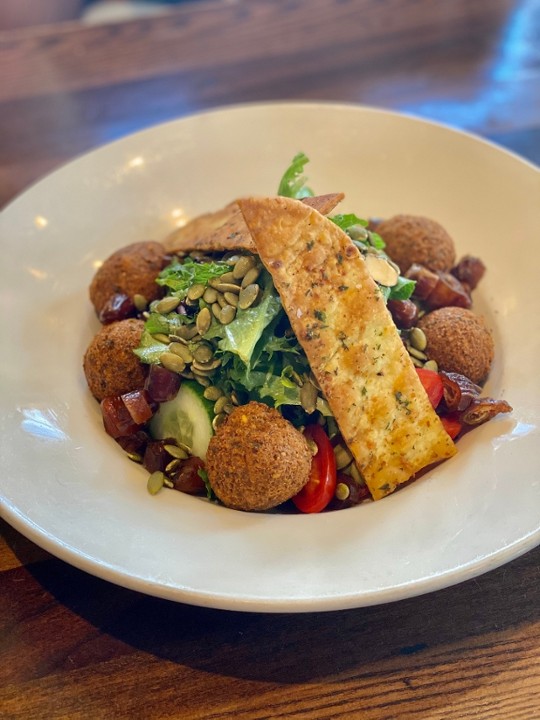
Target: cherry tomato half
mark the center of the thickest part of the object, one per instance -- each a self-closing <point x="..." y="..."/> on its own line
<point x="321" y="486"/>
<point x="432" y="384"/>
<point x="452" y="424"/>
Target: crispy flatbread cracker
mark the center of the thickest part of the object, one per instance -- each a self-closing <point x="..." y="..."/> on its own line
<point x="226" y="229"/>
<point x="356" y="354"/>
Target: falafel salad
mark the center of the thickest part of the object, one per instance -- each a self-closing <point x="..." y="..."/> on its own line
<point x="279" y="355"/>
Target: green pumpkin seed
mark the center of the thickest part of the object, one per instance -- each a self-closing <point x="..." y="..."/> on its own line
<point x="308" y="397"/>
<point x="161" y="337"/>
<point x="202" y="380"/>
<point x="196" y="291"/>
<point x="343" y="457"/>
<point x="227" y="314"/>
<point x="176" y="452"/>
<point x="228" y="287"/>
<point x="342" y="491"/>
<point x="251" y="276"/>
<point x="416" y="353"/>
<point x="418" y="339"/>
<point x="431" y="365"/>
<point x="203" y="353"/>
<point x="203" y="322"/>
<point x="205" y="367"/>
<point x="220" y="403"/>
<point x="155" y="482"/>
<point x="170" y="467"/>
<point x="210" y="295"/>
<point x="227" y="277"/>
<point x="182" y="351"/>
<point x="221" y="300"/>
<point x="172" y="362"/>
<point x="354" y="472"/>
<point x="167" y="304"/>
<point x="212" y="393"/>
<point x="216" y="309"/>
<point x="140" y="302"/>
<point x="218" y="420"/>
<point x="242" y="265"/>
<point x="248" y="295"/>
<point x="231" y="298"/>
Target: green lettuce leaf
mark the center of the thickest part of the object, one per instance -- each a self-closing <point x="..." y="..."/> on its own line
<point x="293" y="182"/>
<point x="243" y="333"/>
<point x="180" y="276"/>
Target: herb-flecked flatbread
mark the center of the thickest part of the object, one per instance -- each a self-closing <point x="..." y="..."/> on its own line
<point x="356" y="354"/>
<point x="226" y="229"/>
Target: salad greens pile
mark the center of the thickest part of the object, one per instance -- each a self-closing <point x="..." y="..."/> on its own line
<point x="261" y="359"/>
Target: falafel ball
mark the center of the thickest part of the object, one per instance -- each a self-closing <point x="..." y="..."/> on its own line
<point x="257" y="459"/>
<point x="131" y="270"/>
<point x="459" y="341"/>
<point x="110" y="365"/>
<point x="414" y="239"/>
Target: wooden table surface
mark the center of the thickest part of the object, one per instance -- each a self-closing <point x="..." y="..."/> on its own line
<point x="73" y="646"/>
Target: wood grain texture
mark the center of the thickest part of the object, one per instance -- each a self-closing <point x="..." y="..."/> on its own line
<point x="72" y="646"/>
<point x="75" y="647"/>
<point x="65" y="91"/>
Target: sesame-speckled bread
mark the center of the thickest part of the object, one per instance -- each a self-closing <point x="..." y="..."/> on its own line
<point x="352" y="344"/>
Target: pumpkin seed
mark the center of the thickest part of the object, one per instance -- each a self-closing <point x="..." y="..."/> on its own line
<point x="343" y="457"/>
<point x="228" y="408"/>
<point x="196" y="291"/>
<point x="182" y="351"/>
<point x="417" y="338"/>
<point x="203" y="353"/>
<point x="220" y="403"/>
<point x="247" y="296"/>
<point x="172" y="362"/>
<point x="227" y="277"/>
<point x="212" y="393"/>
<point x="140" y="302"/>
<point x="227" y="314"/>
<point x="243" y="264"/>
<point x="135" y="457"/>
<point x="228" y="287"/>
<point x="308" y="397"/>
<point x="155" y="482"/>
<point x="210" y="295"/>
<point x="431" y="365"/>
<point x="205" y="367"/>
<point x="161" y="337"/>
<point x="204" y="320"/>
<point x="251" y="276"/>
<point x="172" y="465"/>
<point x="342" y="491"/>
<point x="167" y="304"/>
<point x="216" y="309"/>
<point x="231" y="298"/>
<point x="176" y="452"/>
<point x="221" y="300"/>
<point x="416" y="353"/>
<point x="203" y="380"/>
<point x="218" y="420"/>
<point x="168" y="483"/>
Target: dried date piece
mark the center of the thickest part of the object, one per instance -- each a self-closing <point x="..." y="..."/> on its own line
<point x="469" y="271"/>
<point x="458" y="391"/>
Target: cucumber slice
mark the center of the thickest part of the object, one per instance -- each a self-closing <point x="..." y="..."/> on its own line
<point x="187" y="418"/>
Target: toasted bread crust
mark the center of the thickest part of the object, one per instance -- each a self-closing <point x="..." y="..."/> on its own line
<point x="226" y="229"/>
<point x="355" y="352"/>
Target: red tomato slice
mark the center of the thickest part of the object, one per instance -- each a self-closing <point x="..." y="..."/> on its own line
<point x="321" y="486"/>
<point x="452" y="424"/>
<point x="433" y="385"/>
